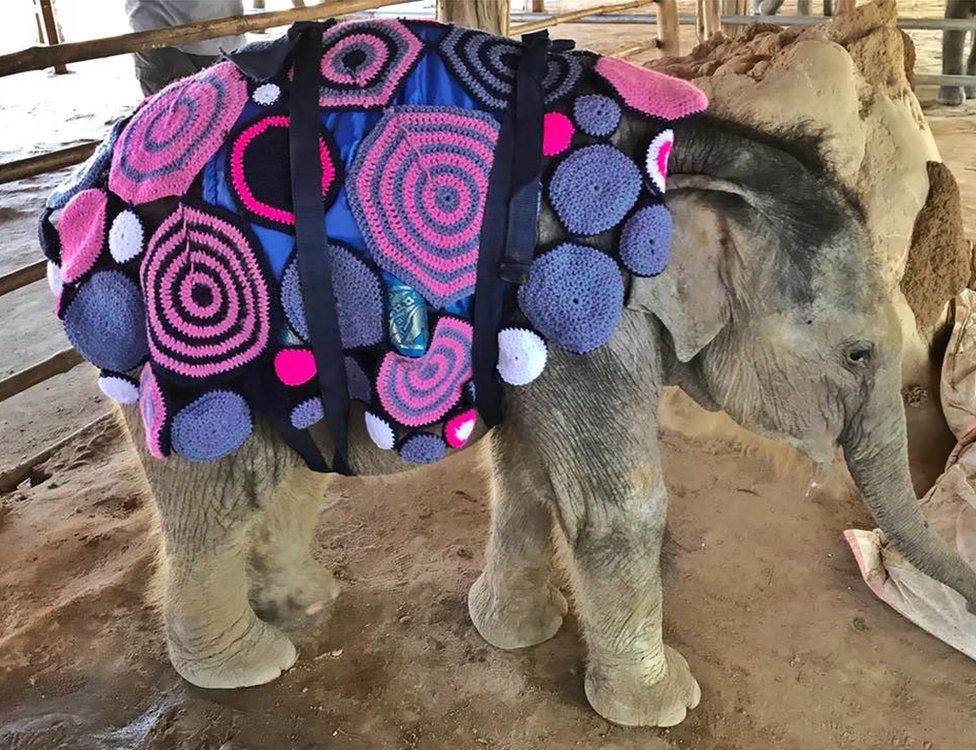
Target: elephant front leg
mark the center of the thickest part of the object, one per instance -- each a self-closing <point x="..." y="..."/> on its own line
<point x="285" y="579"/>
<point x="514" y="602"/>
<point x="614" y="524"/>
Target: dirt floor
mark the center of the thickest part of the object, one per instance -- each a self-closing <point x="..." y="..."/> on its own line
<point x="762" y="595"/>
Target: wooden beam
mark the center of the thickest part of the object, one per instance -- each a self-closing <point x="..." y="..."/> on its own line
<point x="13" y="476"/>
<point x="667" y="27"/>
<point x="22" y="277"/>
<point x="49" y="162"/>
<point x="56" y="364"/>
<point x="711" y="18"/>
<point x="38" y="58"/>
<point x="573" y="15"/>
<point x="488" y="15"/>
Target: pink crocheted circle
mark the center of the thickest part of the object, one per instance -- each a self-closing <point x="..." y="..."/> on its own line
<point x="173" y="134"/>
<point x="651" y="92"/>
<point x="458" y="428"/>
<point x="417" y="188"/>
<point x="153" y="410"/>
<point x="363" y="62"/>
<point x="294" y="366"/>
<point x="207" y="297"/>
<point x="418" y="391"/>
<point x="557" y="132"/>
<point x="81" y="228"/>
<point x="259" y="174"/>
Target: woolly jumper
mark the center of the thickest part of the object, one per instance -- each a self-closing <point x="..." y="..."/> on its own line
<point x="349" y="213"/>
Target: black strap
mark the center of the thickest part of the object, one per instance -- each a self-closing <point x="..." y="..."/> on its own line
<point x="523" y="204"/>
<point x="508" y="230"/>
<point x="311" y="242"/>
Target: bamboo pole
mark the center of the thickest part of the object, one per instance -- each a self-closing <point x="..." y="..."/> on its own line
<point x="49" y="162"/>
<point x="38" y="58"/>
<point x="22" y="277"/>
<point x="667" y="27"/>
<point x="544" y="23"/>
<point x="49" y="25"/>
<point x="56" y="364"/>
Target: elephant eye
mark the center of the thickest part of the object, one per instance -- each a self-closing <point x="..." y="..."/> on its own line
<point x="859" y="353"/>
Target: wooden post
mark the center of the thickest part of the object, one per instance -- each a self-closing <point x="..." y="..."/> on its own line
<point x="536" y="6"/>
<point x="49" y="26"/>
<point x="667" y="27"/>
<point x="711" y="18"/>
<point x="845" y="6"/>
<point x="734" y="8"/>
<point x="257" y="4"/>
<point x="488" y="15"/>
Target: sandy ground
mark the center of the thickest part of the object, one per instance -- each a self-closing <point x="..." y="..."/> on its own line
<point x="791" y="649"/>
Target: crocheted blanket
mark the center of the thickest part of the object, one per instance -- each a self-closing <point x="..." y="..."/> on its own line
<point x="174" y="245"/>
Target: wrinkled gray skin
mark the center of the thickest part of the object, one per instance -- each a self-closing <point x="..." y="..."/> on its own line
<point x="767" y="310"/>
<point x="953" y="51"/>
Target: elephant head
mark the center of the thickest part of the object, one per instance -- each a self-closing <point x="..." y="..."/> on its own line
<point x="777" y="314"/>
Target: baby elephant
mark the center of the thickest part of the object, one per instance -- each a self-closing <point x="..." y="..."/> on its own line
<point x="766" y="306"/>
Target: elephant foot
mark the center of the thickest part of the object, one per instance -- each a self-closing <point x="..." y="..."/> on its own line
<point x="257" y="654"/>
<point x="970" y="92"/>
<point x="951" y="95"/>
<point x="305" y="590"/>
<point x="510" y="621"/>
<point x="630" y="698"/>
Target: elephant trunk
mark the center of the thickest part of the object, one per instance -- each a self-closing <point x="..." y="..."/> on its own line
<point x="877" y="457"/>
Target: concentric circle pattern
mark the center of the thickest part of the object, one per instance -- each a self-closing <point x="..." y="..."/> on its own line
<point x="259" y="174"/>
<point x="173" y="134"/>
<point x="418" y="391"/>
<point x="417" y="188"/>
<point x="363" y="63"/>
<point x="206" y="293"/>
<point x="486" y="64"/>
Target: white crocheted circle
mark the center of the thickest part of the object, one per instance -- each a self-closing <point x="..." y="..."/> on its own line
<point x="54" y="278"/>
<point x="521" y="355"/>
<point x="125" y="237"/>
<point x="119" y="389"/>
<point x="380" y="431"/>
<point x="656" y="163"/>
<point x="266" y="94"/>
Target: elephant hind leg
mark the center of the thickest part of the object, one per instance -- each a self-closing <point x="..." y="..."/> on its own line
<point x="953" y="49"/>
<point x="206" y="509"/>
<point x="285" y="579"/>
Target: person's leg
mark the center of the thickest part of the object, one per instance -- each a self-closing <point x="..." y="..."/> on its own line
<point x="157" y="68"/>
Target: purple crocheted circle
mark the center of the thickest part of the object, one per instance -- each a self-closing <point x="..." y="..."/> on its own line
<point x="363" y="62"/>
<point x="211" y="426"/>
<point x="593" y="188"/>
<point x="357" y="382"/>
<point x="486" y="64"/>
<point x="574" y="297"/>
<point x="596" y="114"/>
<point x="646" y="240"/>
<point x="106" y="322"/>
<point x="423" y="448"/>
<point x="359" y="299"/>
<point x="307" y="413"/>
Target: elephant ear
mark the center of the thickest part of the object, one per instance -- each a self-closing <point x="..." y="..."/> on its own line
<point x="689" y="297"/>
